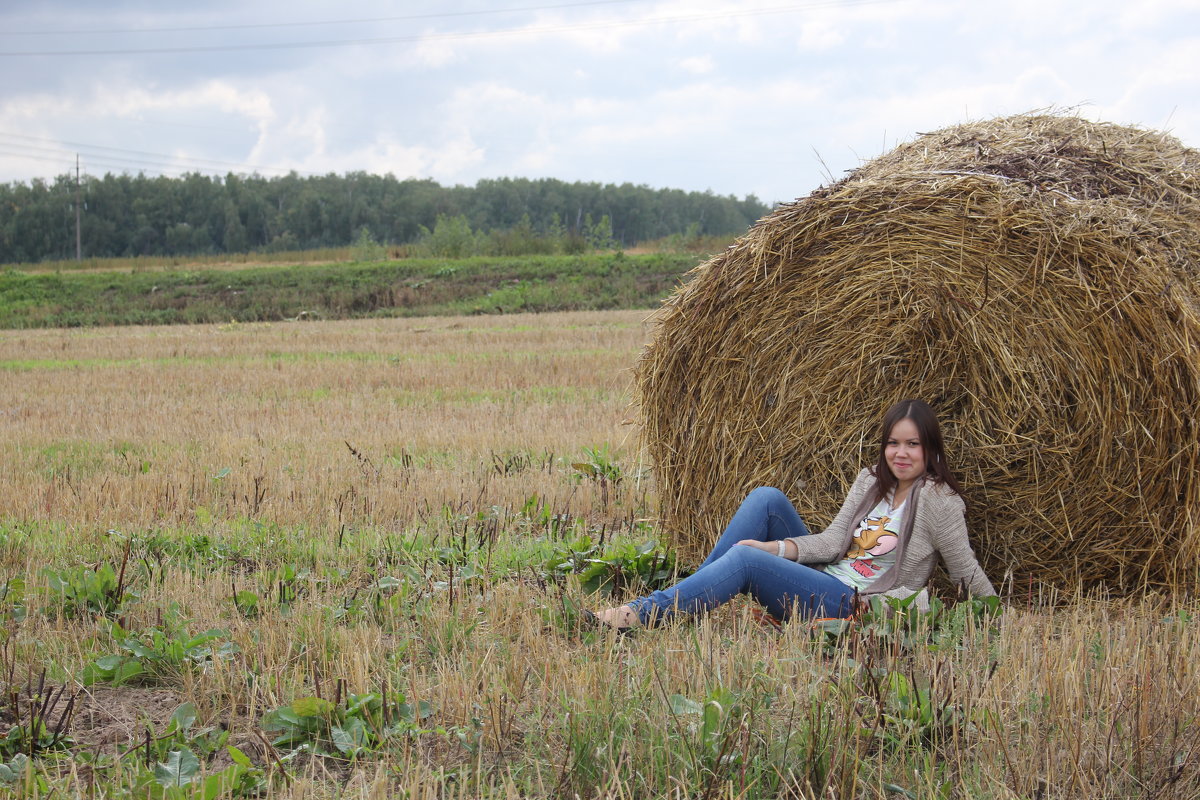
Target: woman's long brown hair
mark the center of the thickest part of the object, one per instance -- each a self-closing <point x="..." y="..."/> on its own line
<point x="936" y="468"/>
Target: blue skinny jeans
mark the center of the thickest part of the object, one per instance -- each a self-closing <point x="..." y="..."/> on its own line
<point x="782" y="586"/>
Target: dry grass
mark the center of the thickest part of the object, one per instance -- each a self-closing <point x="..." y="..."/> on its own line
<point x="1091" y="699"/>
<point x="1037" y="279"/>
<point x="116" y="427"/>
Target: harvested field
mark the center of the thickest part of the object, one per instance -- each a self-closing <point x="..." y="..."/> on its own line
<point x="437" y="574"/>
<point x="321" y="425"/>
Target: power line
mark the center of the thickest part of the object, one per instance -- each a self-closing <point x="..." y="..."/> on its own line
<point x="322" y="23"/>
<point x="168" y="172"/>
<point x="136" y="158"/>
<point x="29" y="157"/>
<point x="447" y="36"/>
<point x="168" y="158"/>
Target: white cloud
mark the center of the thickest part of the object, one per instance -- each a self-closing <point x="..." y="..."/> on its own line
<point x="299" y="143"/>
<point x="17" y="112"/>
<point x="434" y="53"/>
<point x="820" y="35"/>
<point x="697" y="65"/>
<point x="492" y="100"/>
<point x="1166" y="81"/>
<point x="876" y="124"/>
<point x="103" y="99"/>
<point x="455" y="157"/>
<point x="1147" y="13"/>
<point x="722" y="96"/>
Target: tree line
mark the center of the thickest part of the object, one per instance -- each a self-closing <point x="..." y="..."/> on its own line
<point x="132" y="215"/>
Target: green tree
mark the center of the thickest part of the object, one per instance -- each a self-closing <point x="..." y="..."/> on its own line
<point x="234" y="239"/>
<point x="147" y="215"/>
<point x="451" y="237"/>
<point x="366" y="248"/>
<point x="599" y="235"/>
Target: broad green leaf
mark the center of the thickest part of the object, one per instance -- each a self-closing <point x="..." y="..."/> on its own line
<point x="246" y="602"/>
<point x="239" y="757"/>
<point x="127" y="671"/>
<point x="108" y="663"/>
<point x="182" y="718"/>
<point x="291" y="737"/>
<point x="682" y="705"/>
<point x="311" y="706"/>
<point x="835" y="627"/>
<point x="180" y="768"/>
<point x="369" y="702"/>
<point x="13" y="591"/>
<point x="204" y="638"/>
<point x="138" y="649"/>
<point x="343" y="740"/>
<point x="281" y="719"/>
<point x="712" y="717"/>
<point x="93" y="674"/>
<point x="216" y="785"/>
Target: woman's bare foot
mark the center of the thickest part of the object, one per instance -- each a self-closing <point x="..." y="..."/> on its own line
<point x="621" y="618"/>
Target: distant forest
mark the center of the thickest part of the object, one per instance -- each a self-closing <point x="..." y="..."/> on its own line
<point x="124" y="215"/>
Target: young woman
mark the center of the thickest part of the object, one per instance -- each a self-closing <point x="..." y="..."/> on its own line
<point x="899" y="517"/>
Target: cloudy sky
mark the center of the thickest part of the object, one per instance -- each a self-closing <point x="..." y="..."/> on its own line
<point x="764" y="97"/>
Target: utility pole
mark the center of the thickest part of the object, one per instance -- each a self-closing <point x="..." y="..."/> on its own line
<point x="78" y="235"/>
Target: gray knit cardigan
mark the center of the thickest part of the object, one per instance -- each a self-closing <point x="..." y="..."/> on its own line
<point x="938" y="527"/>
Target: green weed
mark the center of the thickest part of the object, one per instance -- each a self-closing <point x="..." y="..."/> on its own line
<point x="157" y="655"/>
<point x="898" y="624"/>
<point x="910" y="709"/>
<point x="80" y="591"/>
<point x="40" y="718"/>
<point x="346" y="728"/>
<point x="12" y="606"/>
<point x="622" y="567"/>
<point x="599" y="465"/>
<point x="173" y="764"/>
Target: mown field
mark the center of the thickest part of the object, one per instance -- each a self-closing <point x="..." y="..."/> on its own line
<point x="346" y="559"/>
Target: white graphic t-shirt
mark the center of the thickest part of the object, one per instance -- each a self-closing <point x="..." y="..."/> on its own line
<point x="873" y="548"/>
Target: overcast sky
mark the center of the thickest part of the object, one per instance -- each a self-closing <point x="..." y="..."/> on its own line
<point x="764" y="97"/>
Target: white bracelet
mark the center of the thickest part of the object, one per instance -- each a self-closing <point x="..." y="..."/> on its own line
<point x="782" y="552"/>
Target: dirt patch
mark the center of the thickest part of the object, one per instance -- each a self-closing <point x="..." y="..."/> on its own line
<point x="107" y="718"/>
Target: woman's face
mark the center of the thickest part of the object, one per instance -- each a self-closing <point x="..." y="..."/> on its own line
<point x="904" y="453"/>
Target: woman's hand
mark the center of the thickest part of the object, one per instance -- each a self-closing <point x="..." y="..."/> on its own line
<point x="789" y="547"/>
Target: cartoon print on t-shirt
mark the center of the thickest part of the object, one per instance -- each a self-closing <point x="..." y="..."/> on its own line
<point x="873" y="540"/>
<point x="873" y="548"/>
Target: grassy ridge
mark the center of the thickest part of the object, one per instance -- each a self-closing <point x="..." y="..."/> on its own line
<point x="328" y="291"/>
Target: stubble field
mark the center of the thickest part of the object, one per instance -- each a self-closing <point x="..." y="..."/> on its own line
<point x="347" y="558"/>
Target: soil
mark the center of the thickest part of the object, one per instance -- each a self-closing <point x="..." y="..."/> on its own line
<point x="107" y="718"/>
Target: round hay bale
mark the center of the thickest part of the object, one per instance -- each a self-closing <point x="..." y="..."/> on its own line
<point x="1035" y="278"/>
